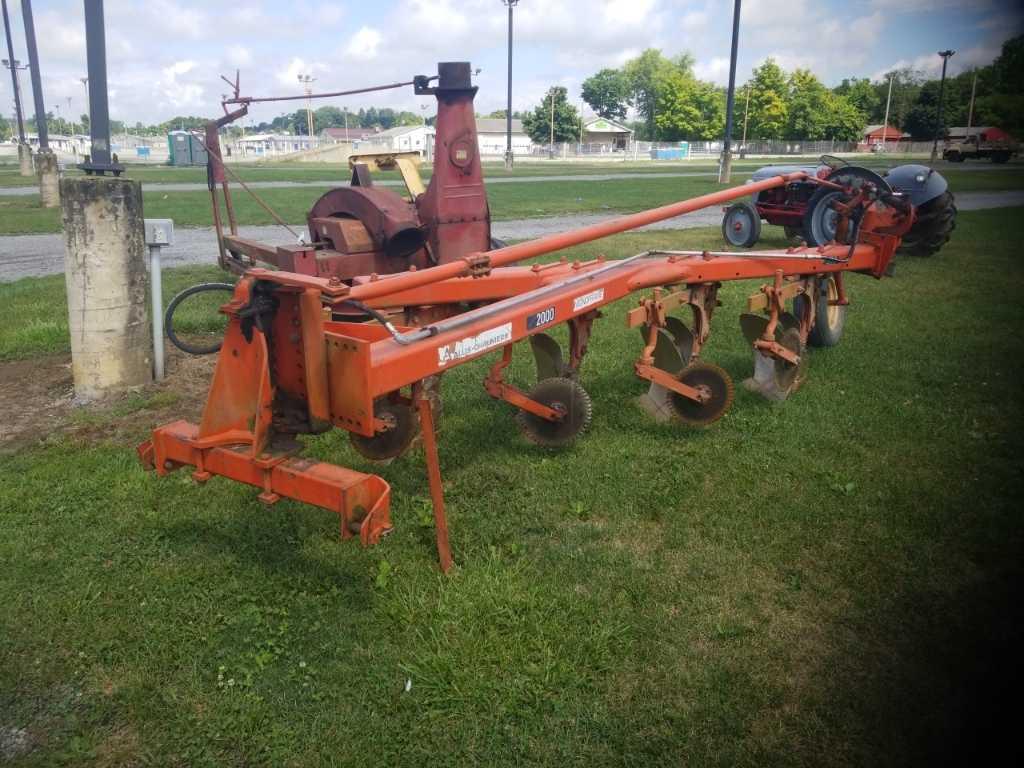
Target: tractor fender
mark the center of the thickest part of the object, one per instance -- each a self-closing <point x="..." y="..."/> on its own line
<point x="918" y="182"/>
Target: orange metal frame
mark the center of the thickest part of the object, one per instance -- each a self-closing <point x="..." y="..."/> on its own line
<point x="296" y="365"/>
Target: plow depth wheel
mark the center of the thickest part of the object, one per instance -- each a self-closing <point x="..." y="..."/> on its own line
<point x="741" y="225"/>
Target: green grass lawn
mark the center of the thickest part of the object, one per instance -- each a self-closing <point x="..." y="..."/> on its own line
<point x="334" y="172"/>
<point x="23" y="215"/>
<point x="830" y="581"/>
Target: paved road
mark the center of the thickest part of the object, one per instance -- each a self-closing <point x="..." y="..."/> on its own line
<point x="190" y="186"/>
<point x="36" y="255"/>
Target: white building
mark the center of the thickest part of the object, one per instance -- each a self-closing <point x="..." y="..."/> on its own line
<point x="606" y="135"/>
<point x="272" y="144"/>
<point x="493" y="140"/>
<point x="403" y="138"/>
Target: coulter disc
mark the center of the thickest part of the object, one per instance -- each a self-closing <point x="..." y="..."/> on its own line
<point x="711" y="380"/>
<point x="565" y="396"/>
<point x="395" y="439"/>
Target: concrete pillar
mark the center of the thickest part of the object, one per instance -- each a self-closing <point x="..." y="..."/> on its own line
<point x="25" y="159"/>
<point x="49" y="178"/>
<point x="105" y="273"/>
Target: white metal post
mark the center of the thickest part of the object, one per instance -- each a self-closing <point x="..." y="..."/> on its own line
<point x="156" y="292"/>
<point x="159" y="233"/>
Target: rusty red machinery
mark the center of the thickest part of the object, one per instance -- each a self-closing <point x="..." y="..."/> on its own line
<point x="354" y="329"/>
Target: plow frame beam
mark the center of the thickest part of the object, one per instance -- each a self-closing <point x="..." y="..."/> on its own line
<point x="361" y="501"/>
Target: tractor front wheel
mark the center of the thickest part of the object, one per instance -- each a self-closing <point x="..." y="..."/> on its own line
<point x="936" y="221"/>
<point x="741" y="225"/>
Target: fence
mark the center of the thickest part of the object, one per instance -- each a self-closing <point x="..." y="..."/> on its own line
<point x="712" y="150"/>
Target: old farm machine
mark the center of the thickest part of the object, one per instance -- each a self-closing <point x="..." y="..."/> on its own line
<point x="353" y="329"/>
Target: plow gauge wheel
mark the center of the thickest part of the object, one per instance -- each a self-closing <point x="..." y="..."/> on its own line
<point x="711" y="381"/>
<point x="566" y="396"/>
<point x="393" y="441"/>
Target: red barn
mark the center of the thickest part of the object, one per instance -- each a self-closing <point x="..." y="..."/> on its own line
<point x="879" y="134"/>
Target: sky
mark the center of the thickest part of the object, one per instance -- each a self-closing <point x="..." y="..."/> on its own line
<point x="164" y="58"/>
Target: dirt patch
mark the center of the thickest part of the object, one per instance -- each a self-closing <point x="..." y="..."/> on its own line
<point x="36" y="402"/>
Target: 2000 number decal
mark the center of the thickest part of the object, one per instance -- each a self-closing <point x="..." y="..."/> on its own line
<point x="537" y="319"/>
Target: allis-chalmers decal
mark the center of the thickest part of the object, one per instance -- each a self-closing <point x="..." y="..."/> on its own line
<point x="471" y="345"/>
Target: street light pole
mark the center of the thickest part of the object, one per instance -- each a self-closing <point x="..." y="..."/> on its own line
<point x="509" y="156"/>
<point x="942" y="92"/>
<point x="308" y="81"/>
<point x="730" y="101"/>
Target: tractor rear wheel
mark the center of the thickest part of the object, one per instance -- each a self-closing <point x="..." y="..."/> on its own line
<point x="936" y="221"/>
<point x="741" y="225"/>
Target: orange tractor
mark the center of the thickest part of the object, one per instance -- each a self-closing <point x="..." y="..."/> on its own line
<point x="354" y="329"/>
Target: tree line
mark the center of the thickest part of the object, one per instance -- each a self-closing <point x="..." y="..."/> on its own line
<point x="672" y="104"/>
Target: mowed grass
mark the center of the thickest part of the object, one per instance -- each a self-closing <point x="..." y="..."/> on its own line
<point x="333" y="172"/>
<point x="23" y="215"/>
<point x="830" y="581"/>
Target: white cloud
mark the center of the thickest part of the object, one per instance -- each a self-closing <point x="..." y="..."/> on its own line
<point x="364" y="44"/>
<point x="715" y="69"/>
<point x="239" y="55"/>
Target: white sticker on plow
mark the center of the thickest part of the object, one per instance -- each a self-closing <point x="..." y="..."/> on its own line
<point x="472" y="345"/>
<point x="581" y="302"/>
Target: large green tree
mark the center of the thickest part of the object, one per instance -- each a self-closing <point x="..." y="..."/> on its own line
<point x="769" y="94"/>
<point x="689" y="109"/>
<point x="608" y="93"/>
<point x="861" y="94"/>
<point x="537" y="123"/>
<point x="646" y="75"/>
<point x="805" y="109"/>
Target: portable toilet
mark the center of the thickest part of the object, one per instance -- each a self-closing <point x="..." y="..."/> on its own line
<point x="199" y="155"/>
<point x="179" y="148"/>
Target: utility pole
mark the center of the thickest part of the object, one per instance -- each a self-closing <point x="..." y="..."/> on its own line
<point x="98" y="160"/>
<point x="307" y="81"/>
<point x="970" y="110"/>
<point x="105" y="253"/>
<point x="942" y="92"/>
<point x="885" y="122"/>
<point x="551" y="144"/>
<point x="725" y="170"/>
<point x="344" y="111"/>
<point x="746" y="119"/>
<point x="24" y="151"/>
<point x="37" y="81"/>
<point x="509" y="155"/>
